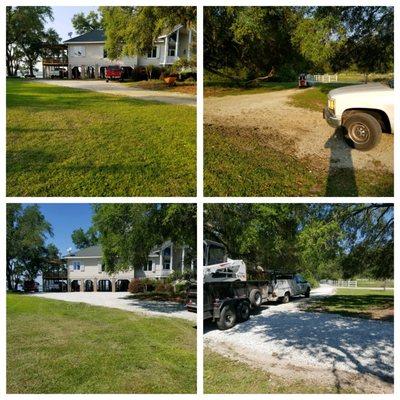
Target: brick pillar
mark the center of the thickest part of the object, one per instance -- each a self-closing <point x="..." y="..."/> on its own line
<point x="69" y="284"/>
<point x="82" y="288"/>
<point x="83" y="72"/>
<point x="113" y="284"/>
<point x="95" y="285"/>
<point x="96" y="71"/>
<point x="69" y="71"/>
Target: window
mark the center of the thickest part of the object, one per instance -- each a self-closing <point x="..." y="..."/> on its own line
<point x="77" y="266"/>
<point x="152" y="53"/>
<point x="149" y="266"/>
<point x="104" y="52"/>
<point x="103" y="267"/>
<point x="166" y="256"/>
<point x="78" y="51"/>
<point x="172" y="45"/>
<point x="216" y="255"/>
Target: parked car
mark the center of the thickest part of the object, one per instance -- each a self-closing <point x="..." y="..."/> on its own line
<point x="114" y="72"/>
<point x="364" y="112"/>
<point x="303" y="81"/>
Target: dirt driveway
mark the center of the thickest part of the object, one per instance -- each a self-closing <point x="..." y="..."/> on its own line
<point x="307" y="132"/>
<point x="124" y="301"/>
<point x="120" y="89"/>
<point x="318" y="348"/>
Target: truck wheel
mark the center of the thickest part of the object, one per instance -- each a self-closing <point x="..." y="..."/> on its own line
<point x="363" y="131"/>
<point x="227" y="318"/>
<point x="255" y="298"/>
<point x="307" y="293"/>
<point x="286" y="298"/>
<point x="243" y="311"/>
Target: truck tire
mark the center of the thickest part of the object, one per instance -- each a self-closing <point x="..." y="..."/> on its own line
<point x="363" y="131"/>
<point x="286" y="298"/>
<point x="255" y="298"/>
<point x="307" y="293"/>
<point x="227" y="318"/>
<point x="243" y="311"/>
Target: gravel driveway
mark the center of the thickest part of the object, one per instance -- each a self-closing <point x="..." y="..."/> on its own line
<point x="285" y="340"/>
<point x="310" y="136"/>
<point x="120" y="89"/>
<point x="123" y="301"/>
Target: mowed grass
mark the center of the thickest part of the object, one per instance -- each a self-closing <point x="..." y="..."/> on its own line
<point x="223" y="375"/>
<point x="61" y="347"/>
<point x="362" y="303"/>
<point x="220" y="89"/>
<point x="69" y="142"/>
<point x="238" y="163"/>
<point x="315" y="98"/>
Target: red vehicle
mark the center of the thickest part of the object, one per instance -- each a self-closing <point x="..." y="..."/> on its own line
<point x="303" y="81"/>
<point x="114" y="72"/>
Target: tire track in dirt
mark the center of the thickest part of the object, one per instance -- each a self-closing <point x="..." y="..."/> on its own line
<point x="296" y="131"/>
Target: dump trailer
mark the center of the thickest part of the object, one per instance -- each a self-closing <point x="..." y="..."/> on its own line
<point x="229" y="297"/>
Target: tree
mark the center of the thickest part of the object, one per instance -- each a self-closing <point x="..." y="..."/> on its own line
<point x="85" y="23"/>
<point x="82" y="239"/>
<point x="133" y="30"/>
<point x="26" y="35"/>
<point x="27" y="230"/>
<point x="128" y="232"/>
<point x="322" y="241"/>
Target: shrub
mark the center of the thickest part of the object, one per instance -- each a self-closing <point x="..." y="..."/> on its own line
<point x="139" y="74"/>
<point x="163" y="287"/>
<point x="136" y="285"/>
<point x="190" y="80"/>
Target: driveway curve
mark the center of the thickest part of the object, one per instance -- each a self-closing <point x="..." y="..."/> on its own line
<point x="316" y="347"/>
<point x="124" y="301"/>
<point x="116" y="88"/>
<point x="272" y="114"/>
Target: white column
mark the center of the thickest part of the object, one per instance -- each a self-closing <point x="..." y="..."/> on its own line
<point x="165" y="49"/>
<point x="183" y="258"/>
<point x="171" y="258"/>
<point x="190" y="44"/>
<point x="177" y="43"/>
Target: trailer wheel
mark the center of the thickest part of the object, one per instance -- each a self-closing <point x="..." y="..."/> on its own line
<point x="307" y="293"/>
<point x="227" y="318"/>
<point x="255" y="298"/>
<point x="243" y="311"/>
<point x="286" y="298"/>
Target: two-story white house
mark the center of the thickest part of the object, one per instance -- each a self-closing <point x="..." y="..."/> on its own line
<point x="86" y="270"/>
<point x="87" y="56"/>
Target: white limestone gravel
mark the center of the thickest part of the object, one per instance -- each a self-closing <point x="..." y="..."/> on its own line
<point x="285" y="335"/>
<point x="124" y="301"/>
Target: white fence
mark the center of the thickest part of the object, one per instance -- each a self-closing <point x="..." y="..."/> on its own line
<point x="326" y="78"/>
<point x="340" y="283"/>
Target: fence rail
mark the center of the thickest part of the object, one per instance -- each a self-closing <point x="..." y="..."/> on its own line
<point x="340" y="283"/>
<point x="326" y="78"/>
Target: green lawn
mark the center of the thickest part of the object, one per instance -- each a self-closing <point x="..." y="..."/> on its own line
<point x="316" y="97"/>
<point x="238" y="163"/>
<point x="66" y="142"/>
<point x="61" y="347"/>
<point x="223" y="375"/>
<point x="363" y="303"/>
<point x="374" y="283"/>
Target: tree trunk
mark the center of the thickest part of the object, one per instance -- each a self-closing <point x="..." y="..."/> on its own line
<point x="366" y="78"/>
<point x="30" y="68"/>
<point x="9" y="280"/>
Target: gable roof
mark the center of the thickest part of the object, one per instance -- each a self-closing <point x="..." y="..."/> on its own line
<point x="96" y="35"/>
<point x="92" y="251"/>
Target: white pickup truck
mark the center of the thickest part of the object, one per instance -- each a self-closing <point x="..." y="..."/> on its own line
<point x="364" y="111"/>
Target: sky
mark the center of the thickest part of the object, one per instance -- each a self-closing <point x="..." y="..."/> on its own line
<point x="62" y="19"/>
<point x="64" y="219"/>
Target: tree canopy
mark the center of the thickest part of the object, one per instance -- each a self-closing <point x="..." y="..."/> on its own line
<point x="283" y="41"/>
<point x="128" y="232"/>
<point x="133" y="30"/>
<point x="27" y="253"/>
<point x="320" y="240"/>
<point x="82" y="239"/>
<point x="26" y="37"/>
<point x="85" y="23"/>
